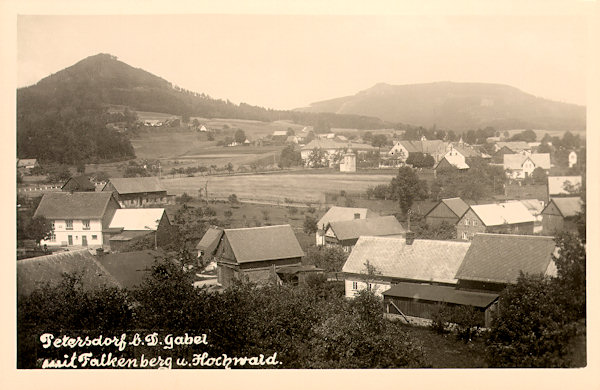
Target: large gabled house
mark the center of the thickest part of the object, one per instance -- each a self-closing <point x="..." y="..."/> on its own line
<point x="403" y="149"/>
<point x="345" y="234"/>
<point x="378" y="263"/>
<point x="129" y="225"/>
<point x="522" y="165"/>
<point x="448" y="210"/>
<point x="78" y="218"/>
<point x="560" y="214"/>
<point x="337" y="213"/>
<point x="508" y="217"/>
<point x="255" y="254"/>
<point x="134" y="192"/>
<point x="495" y="261"/>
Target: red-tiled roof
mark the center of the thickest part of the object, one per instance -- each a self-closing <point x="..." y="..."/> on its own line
<point x="499" y="258"/>
<point x="77" y="205"/>
<point x="428" y="292"/>
<point x="263" y="243"/>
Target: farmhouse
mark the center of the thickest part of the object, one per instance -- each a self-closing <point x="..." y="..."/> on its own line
<point x="78" y="218"/>
<point x="333" y="150"/>
<point x="255" y="254"/>
<point x="138" y="191"/>
<point x="129" y="225"/>
<point x="451" y="161"/>
<point x="37" y="272"/>
<point x="423" y="300"/>
<point x="563" y="185"/>
<point x="435" y="148"/>
<point x="78" y="184"/>
<point x="344" y="234"/>
<point x="447" y="210"/>
<point x="494" y="261"/>
<point x="378" y="263"/>
<point x="509" y="217"/>
<point x="520" y="166"/>
<point x="560" y="214"/>
<point x="337" y="213"/>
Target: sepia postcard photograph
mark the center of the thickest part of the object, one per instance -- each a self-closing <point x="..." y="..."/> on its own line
<point x="318" y="189"/>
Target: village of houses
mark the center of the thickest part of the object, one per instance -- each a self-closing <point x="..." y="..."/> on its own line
<point x="93" y="224"/>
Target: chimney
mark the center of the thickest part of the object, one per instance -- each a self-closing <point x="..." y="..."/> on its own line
<point x="356" y="215"/>
<point x="410" y="237"/>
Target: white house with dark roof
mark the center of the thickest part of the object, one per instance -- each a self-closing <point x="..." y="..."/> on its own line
<point x="255" y="254"/>
<point x="79" y="218"/>
<point x="395" y="260"/>
<point x="337" y="213"/>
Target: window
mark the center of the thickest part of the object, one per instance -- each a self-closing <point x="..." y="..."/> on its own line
<point x="467" y="221"/>
<point x="370" y="286"/>
<point x="474" y="222"/>
<point x="86" y="224"/>
<point x="355" y="285"/>
<point x="69" y="223"/>
<point x="464" y="235"/>
<point x="52" y="235"/>
<point x="94" y="237"/>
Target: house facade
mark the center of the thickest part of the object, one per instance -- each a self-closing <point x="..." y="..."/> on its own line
<point x="435" y="148"/>
<point x="508" y="218"/>
<point x="337" y="213"/>
<point x="448" y="210"/>
<point x="522" y="165"/>
<point x="138" y="192"/>
<point x="78" y="219"/>
<point x="255" y="254"/>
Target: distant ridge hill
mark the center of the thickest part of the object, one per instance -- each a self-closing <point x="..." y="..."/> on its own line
<point x="102" y="80"/>
<point x="457" y="106"/>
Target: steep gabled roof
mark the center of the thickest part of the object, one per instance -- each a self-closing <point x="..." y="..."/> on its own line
<point x="210" y="240"/>
<point x="353" y="229"/>
<point x="83" y="183"/>
<point x="428" y="292"/>
<point x="499" y="258"/>
<point x="77" y="205"/>
<point x="134" y="185"/>
<point x="36" y="272"/>
<point x="456" y="205"/>
<point x="137" y="219"/>
<point x="337" y="213"/>
<point x="263" y="243"/>
<point x="423" y="260"/>
<point x="568" y="207"/>
<point x="556" y="184"/>
<point x="455" y="160"/>
<point x="502" y="213"/>
<point x="516" y="161"/>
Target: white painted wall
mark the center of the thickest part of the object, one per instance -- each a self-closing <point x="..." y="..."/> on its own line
<point x="354" y="285"/>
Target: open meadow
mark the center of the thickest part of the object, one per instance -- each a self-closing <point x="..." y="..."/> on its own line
<point x="275" y="188"/>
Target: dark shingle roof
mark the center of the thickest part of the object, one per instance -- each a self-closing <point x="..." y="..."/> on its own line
<point x="82" y="182"/>
<point x="499" y="258"/>
<point x="263" y="243"/>
<point x="129" y="268"/>
<point x="134" y="185"/>
<point x="210" y="240"/>
<point x="77" y="205"/>
<point x="427" y="292"/>
<point x="36" y="272"/>
<point x="383" y="226"/>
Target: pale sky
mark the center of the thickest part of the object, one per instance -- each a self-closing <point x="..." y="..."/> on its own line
<point x="289" y="61"/>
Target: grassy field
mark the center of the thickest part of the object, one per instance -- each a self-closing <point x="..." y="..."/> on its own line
<point x="300" y="188"/>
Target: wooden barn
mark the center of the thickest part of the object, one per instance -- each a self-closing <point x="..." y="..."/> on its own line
<point x="560" y="213"/>
<point x="447" y="210"/>
<point x="423" y="300"/>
